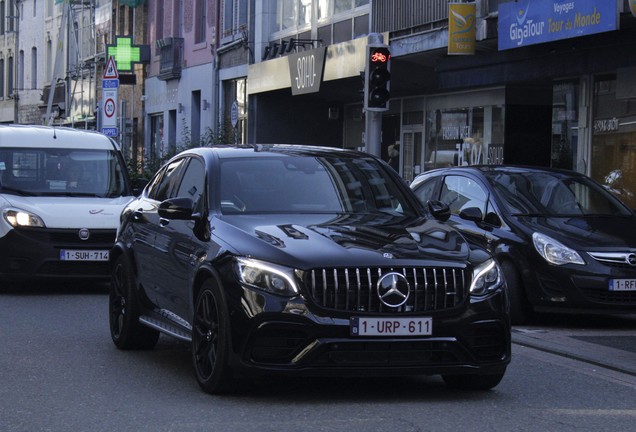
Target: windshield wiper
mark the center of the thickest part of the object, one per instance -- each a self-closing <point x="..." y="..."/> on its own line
<point x="15" y="191"/>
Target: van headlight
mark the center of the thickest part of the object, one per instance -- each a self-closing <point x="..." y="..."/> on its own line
<point x="487" y="277"/>
<point x="555" y="252"/>
<point x="21" y="218"/>
<point x="266" y="276"/>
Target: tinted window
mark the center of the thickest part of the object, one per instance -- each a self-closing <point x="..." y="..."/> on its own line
<point x="308" y="184"/>
<point x="554" y="194"/>
<point x="426" y="190"/>
<point x="193" y="182"/>
<point x="166" y="181"/>
<point x="462" y="192"/>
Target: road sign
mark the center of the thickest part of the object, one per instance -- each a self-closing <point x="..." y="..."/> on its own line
<point x="110" y="83"/>
<point x="109" y="111"/>
<point x="110" y="71"/>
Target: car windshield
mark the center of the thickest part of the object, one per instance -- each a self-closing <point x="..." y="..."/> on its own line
<point x="294" y="184"/>
<point x="61" y="172"/>
<point x="553" y="194"/>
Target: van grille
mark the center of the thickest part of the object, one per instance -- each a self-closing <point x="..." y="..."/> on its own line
<point x="355" y="289"/>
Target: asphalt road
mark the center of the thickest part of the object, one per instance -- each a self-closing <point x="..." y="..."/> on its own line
<point x="59" y="371"/>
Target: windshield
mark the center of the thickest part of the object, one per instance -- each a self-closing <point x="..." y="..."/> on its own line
<point x="554" y="194"/>
<point x="292" y="184"/>
<point x="61" y="172"/>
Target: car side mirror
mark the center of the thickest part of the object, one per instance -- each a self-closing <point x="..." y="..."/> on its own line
<point x="493" y="219"/>
<point x="177" y="208"/>
<point x="472" y="214"/>
<point x="439" y="210"/>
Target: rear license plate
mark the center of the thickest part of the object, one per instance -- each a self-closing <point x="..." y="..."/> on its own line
<point x="622" y="285"/>
<point x="83" y="255"/>
<point x="363" y="326"/>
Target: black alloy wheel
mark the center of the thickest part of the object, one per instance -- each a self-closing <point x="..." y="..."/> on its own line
<point x="123" y="311"/>
<point x="210" y="340"/>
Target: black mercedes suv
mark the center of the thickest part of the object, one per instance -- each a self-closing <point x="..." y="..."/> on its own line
<point x="286" y="259"/>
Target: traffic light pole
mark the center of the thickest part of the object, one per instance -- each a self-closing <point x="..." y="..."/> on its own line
<point x="373" y="115"/>
<point x="373" y="132"/>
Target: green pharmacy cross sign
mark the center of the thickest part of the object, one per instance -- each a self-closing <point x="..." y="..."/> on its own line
<point x="126" y="54"/>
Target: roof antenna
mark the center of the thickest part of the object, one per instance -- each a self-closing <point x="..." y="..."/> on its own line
<point x="54" y="134"/>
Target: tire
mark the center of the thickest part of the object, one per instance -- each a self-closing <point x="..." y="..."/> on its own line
<point x="123" y="311"/>
<point x="473" y="381"/>
<point x="520" y="310"/>
<point x="210" y="340"/>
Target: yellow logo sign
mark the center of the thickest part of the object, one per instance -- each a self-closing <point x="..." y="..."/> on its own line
<point x="462" y="23"/>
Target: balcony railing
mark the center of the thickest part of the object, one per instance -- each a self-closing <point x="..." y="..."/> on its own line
<point x="171" y="53"/>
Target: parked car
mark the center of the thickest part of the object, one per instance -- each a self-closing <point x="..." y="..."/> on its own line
<point x="61" y="193"/>
<point x="564" y="242"/>
<point x="303" y="261"/>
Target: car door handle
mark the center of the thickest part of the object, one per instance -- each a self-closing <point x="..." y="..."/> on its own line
<point x="163" y="222"/>
<point x="138" y="214"/>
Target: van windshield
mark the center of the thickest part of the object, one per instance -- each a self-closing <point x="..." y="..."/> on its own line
<point x="62" y="172"/>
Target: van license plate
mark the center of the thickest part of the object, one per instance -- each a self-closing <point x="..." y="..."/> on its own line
<point x="83" y="255"/>
<point x="364" y="326"/>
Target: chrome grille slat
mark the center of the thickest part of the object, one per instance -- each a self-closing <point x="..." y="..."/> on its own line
<point x="354" y="289"/>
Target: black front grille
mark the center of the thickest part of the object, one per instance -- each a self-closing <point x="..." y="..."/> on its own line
<point x="355" y="289"/>
<point x="396" y="354"/>
<point x="59" y="236"/>
<point x="626" y="298"/>
<point x="75" y="268"/>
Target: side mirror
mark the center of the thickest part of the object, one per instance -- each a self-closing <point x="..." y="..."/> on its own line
<point x="177" y="208"/>
<point x="472" y="214"/>
<point x="493" y="219"/>
<point x="439" y="210"/>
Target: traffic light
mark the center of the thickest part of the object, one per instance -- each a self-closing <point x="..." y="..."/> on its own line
<point x="377" y="80"/>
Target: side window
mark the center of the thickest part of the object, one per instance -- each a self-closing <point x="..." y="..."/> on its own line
<point x="193" y="183"/>
<point x="165" y="184"/>
<point x="462" y="192"/>
<point x="426" y="191"/>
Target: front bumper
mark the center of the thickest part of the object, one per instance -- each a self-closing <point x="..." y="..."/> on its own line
<point x="581" y="289"/>
<point x="286" y="337"/>
<point x="34" y="253"/>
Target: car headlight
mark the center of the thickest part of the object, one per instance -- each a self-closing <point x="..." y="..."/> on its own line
<point x="21" y="218"/>
<point x="266" y="276"/>
<point x="555" y="252"/>
<point x="487" y="277"/>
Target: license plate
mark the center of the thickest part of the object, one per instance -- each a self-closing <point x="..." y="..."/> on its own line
<point x="83" y="255"/>
<point x="622" y="285"/>
<point x="364" y="326"/>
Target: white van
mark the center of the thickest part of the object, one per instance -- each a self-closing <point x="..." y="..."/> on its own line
<point x="61" y="193"/>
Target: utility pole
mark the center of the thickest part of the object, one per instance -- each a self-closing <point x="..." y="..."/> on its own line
<point x="16" y="57"/>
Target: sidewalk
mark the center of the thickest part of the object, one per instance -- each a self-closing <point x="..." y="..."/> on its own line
<point x="612" y="349"/>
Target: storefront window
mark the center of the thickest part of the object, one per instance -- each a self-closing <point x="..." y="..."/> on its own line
<point x="565" y="126"/>
<point x="614" y="140"/>
<point x="464" y="136"/>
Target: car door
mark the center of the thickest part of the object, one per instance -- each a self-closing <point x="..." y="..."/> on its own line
<point x="150" y="239"/>
<point x="182" y="245"/>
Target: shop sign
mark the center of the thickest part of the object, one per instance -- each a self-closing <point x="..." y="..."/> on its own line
<point x="528" y="22"/>
<point x="603" y="126"/>
<point x="462" y="23"/>
<point x="305" y="70"/>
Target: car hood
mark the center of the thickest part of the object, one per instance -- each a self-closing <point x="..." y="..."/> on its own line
<point x="588" y="232"/>
<point x="72" y="212"/>
<point x="343" y="240"/>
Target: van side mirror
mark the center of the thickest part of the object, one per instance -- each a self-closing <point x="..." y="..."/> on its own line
<point x="439" y="210"/>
